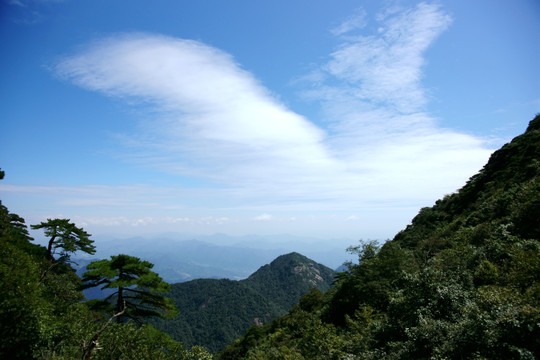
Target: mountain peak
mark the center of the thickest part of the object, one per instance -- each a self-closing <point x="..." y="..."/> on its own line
<point x="227" y="308"/>
<point x="292" y="257"/>
<point x="289" y="276"/>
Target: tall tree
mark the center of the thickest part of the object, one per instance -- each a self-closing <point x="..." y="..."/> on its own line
<point x="65" y="236"/>
<point x="138" y="289"/>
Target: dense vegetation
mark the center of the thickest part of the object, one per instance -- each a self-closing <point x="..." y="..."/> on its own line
<point x="42" y="314"/>
<point x="213" y="313"/>
<point x="460" y="282"/>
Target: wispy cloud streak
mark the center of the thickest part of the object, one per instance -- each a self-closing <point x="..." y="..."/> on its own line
<point x="385" y="68"/>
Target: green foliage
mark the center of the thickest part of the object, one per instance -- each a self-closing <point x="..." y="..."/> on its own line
<point x="370" y="282"/>
<point x="137" y="288"/>
<point x="65" y="236"/>
<point x="20" y="302"/>
<point x="215" y="312"/>
<point x="298" y="335"/>
<point x="130" y="342"/>
<point x="36" y="296"/>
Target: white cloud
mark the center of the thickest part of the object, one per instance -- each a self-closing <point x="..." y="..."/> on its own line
<point x="16" y="2"/>
<point x="213" y="220"/>
<point x="220" y="123"/>
<point x="263" y="217"/>
<point x="355" y="21"/>
<point x="215" y="99"/>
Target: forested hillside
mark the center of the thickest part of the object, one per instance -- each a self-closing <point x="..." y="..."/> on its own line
<point x="460" y="282"/>
<point x="216" y="312"/>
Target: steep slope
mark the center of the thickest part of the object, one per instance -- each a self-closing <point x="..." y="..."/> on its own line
<point x="215" y="312"/>
<point x="460" y="282"/>
<point x="504" y="191"/>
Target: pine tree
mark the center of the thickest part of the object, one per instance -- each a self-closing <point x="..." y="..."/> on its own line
<point x="138" y="289"/>
<point x="65" y="236"/>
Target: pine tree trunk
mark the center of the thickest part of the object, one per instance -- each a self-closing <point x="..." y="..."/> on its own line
<point x="120" y="304"/>
<point x="49" y="248"/>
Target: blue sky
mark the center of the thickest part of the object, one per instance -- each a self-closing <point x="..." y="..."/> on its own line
<point x="309" y="118"/>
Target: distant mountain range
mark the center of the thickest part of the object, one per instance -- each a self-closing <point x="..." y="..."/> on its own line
<point x="215" y="312"/>
<point x="178" y="258"/>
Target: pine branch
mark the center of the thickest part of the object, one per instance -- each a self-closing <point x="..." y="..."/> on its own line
<point x="89" y="350"/>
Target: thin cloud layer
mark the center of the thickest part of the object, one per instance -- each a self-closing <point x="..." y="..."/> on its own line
<point x="356" y="21"/>
<point x="216" y="122"/>
<point x="386" y="68"/>
<point x="373" y="99"/>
